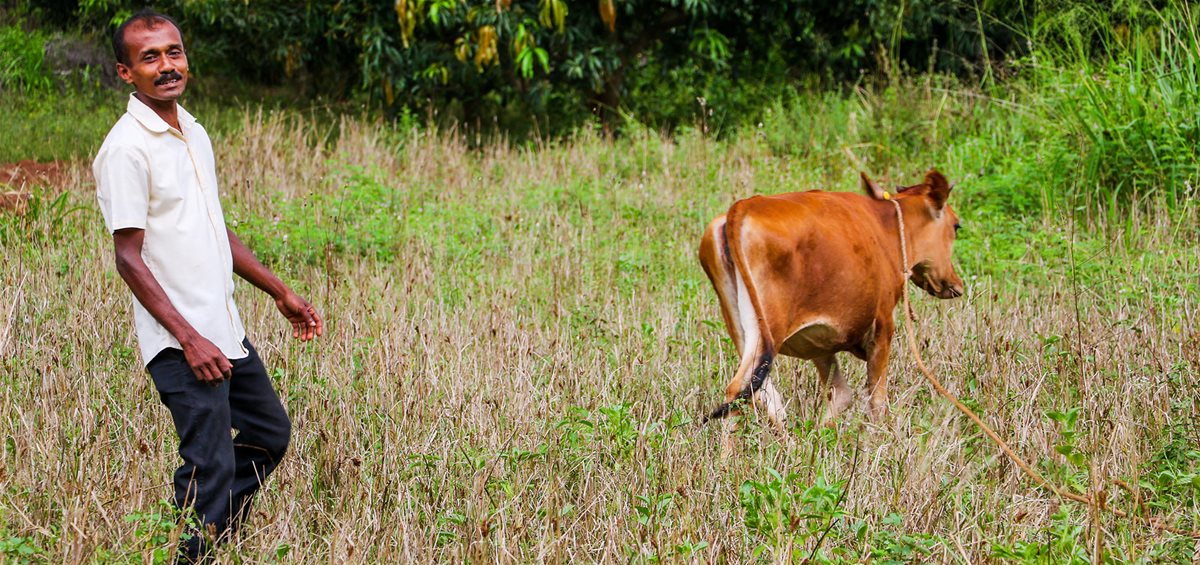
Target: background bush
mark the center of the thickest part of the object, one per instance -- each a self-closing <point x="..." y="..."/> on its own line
<point x="21" y="67"/>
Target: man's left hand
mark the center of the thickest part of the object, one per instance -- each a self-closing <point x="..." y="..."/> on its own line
<point x="306" y="323"/>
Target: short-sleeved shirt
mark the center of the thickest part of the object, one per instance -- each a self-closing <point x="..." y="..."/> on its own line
<point x="153" y="177"/>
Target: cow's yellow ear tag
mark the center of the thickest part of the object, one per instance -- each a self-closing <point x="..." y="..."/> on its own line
<point x="886" y="195"/>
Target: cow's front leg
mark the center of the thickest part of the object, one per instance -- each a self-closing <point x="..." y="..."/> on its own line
<point x="877" y="364"/>
<point x="834" y="382"/>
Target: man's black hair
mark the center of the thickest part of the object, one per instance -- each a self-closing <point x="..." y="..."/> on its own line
<point x="147" y="17"/>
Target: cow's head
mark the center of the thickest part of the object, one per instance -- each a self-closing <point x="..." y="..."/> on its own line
<point x="931" y="225"/>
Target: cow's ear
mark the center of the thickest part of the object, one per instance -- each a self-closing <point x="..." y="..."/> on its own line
<point x="939" y="188"/>
<point x="870" y="187"/>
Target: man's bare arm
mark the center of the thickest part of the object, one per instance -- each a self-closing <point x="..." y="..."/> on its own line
<point x="205" y="358"/>
<point x="306" y="323"/>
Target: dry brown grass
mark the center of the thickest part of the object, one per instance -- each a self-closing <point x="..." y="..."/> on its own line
<point x="439" y="418"/>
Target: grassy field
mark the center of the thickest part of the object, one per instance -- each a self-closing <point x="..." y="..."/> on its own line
<point x="521" y="344"/>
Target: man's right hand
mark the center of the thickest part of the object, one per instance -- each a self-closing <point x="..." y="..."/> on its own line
<point x="207" y="361"/>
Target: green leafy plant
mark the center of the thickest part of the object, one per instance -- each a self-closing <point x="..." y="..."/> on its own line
<point x="21" y="61"/>
<point x="1067" y="444"/>
<point x="20" y="550"/>
<point x="651" y="511"/>
<point x="156" y="529"/>
<point x="1065" y="542"/>
<point x="782" y="506"/>
<point x="890" y="545"/>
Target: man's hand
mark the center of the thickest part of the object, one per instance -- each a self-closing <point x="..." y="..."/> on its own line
<point x="207" y="361"/>
<point x="306" y="323"/>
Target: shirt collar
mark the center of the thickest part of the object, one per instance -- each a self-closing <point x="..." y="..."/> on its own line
<point x="150" y="120"/>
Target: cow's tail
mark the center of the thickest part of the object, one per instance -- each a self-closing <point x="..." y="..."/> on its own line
<point x="758" y="350"/>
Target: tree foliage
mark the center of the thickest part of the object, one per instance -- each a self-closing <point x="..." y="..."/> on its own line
<point x="560" y="61"/>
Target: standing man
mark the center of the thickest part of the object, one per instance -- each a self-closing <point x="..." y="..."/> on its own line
<point x="156" y="184"/>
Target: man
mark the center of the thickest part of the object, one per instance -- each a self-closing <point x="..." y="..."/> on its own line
<point x="156" y="185"/>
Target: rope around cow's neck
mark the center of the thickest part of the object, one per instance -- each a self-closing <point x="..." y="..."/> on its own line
<point x="906" y="272"/>
<point x="905" y="269"/>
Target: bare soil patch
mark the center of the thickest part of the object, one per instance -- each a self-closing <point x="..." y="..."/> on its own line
<point x="18" y="179"/>
<point x="27" y="174"/>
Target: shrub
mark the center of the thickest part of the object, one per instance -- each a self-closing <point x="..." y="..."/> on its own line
<point x="21" y="66"/>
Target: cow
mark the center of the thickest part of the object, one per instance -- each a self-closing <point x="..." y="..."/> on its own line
<point x="811" y="274"/>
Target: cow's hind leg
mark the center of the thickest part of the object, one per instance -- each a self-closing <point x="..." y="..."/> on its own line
<point x="769" y="399"/>
<point x="751" y="377"/>
<point x="732" y="391"/>
<point x="833" y="385"/>
<point x="757" y="357"/>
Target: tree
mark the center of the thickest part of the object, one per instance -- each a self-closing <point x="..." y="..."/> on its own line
<point x="509" y="60"/>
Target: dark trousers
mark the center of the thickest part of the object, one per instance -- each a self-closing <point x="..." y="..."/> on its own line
<point x="220" y="472"/>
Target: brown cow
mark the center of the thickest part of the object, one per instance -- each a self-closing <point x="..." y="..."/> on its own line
<point x="809" y="274"/>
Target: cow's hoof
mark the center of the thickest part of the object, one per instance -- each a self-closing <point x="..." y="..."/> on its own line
<point x="772" y="404"/>
<point x="839" y="400"/>
<point x="727" y="428"/>
<point x="877" y="413"/>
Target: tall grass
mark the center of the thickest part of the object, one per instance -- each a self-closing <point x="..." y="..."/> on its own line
<point x="22" y="67"/>
<point x="1101" y="115"/>
<point x="1120" y="85"/>
<point x="521" y="343"/>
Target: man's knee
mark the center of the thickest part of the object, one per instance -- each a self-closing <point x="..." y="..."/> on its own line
<point x="279" y="436"/>
<point x="202" y="478"/>
<point x="283" y="439"/>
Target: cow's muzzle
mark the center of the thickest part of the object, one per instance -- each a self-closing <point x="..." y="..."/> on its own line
<point x="940" y="289"/>
<point x="950" y="291"/>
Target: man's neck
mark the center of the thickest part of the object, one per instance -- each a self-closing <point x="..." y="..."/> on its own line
<point x="168" y="110"/>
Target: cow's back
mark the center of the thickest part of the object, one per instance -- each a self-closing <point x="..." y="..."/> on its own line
<point x="819" y="264"/>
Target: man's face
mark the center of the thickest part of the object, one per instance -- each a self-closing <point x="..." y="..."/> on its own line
<point x="159" y="66"/>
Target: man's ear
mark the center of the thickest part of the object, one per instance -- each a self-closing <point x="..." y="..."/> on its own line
<point x="939" y="188"/>
<point x="125" y="73"/>
<point x="870" y="187"/>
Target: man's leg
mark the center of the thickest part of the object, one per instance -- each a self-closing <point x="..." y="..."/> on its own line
<point x="263" y="429"/>
<point x="202" y="419"/>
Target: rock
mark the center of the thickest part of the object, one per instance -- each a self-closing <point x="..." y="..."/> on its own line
<point x="71" y="58"/>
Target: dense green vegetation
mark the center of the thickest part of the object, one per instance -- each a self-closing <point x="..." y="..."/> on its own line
<point x="557" y="62"/>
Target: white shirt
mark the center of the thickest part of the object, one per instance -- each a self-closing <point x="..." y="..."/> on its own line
<point x="154" y="177"/>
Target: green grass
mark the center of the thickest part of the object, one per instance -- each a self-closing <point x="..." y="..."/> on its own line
<point x="70" y="122"/>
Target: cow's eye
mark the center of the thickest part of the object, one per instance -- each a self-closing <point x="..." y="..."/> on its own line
<point x="956" y="227"/>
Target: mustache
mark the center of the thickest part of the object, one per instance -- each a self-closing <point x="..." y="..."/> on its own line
<point x="173" y="75"/>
